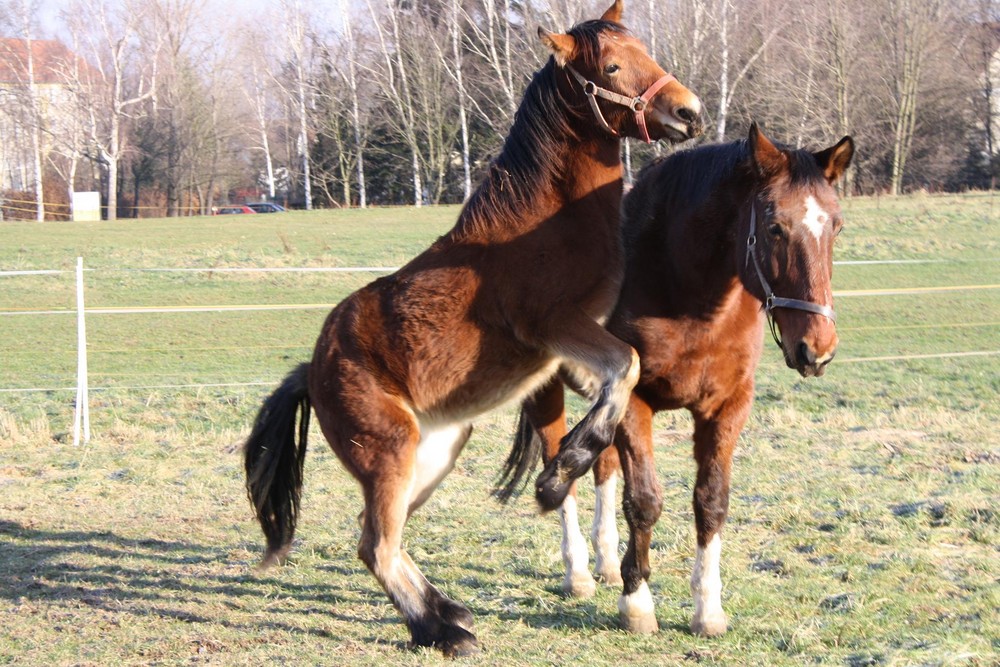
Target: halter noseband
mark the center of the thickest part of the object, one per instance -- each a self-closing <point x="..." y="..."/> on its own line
<point x="770" y="301"/>
<point x="636" y="104"/>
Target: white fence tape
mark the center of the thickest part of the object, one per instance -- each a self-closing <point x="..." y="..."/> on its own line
<point x="82" y="416"/>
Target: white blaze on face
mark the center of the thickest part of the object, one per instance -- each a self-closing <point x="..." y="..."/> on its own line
<point x="815" y="218"/>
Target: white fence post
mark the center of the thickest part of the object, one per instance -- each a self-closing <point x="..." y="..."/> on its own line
<point x="82" y="398"/>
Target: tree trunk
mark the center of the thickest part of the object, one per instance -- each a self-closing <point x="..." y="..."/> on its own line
<point x="35" y="121"/>
<point x="359" y="147"/>
<point x="304" y="144"/>
<point x="462" y="118"/>
<point x="723" y="112"/>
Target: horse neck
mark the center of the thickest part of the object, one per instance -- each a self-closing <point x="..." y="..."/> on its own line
<point x="591" y="165"/>
<point x="706" y="251"/>
<point x="552" y="157"/>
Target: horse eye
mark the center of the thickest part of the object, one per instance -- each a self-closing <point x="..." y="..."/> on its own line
<point x="611" y="69"/>
<point x="776" y="231"/>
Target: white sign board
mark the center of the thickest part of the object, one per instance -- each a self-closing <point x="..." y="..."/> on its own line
<point x="86" y="206"/>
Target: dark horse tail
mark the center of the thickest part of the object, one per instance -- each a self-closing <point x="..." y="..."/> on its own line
<point x="522" y="460"/>
<point x="273" y="462"/>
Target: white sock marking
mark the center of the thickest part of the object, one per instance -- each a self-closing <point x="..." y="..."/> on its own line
<point x="637" y="604"/>
<point x="604" y="532"/>
<point x="706" y="580"/>
<point x="574" y="547"/>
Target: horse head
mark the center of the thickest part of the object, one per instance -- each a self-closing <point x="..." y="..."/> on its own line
<point x="629" y="94"/>
<point x="793" y="218"/>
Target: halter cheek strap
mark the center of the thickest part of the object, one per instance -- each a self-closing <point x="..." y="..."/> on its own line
<point x="770" y="300"/>
<point x="636" y="104"/>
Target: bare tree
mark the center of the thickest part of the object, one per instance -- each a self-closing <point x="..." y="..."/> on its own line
<point x="254" y="54"/>
<point x="27" y="114"/>
<point x="356" y="121"/>
<point x="908" y="29"/>
<point x="397" y="89"/>
<point x="111" y="38"/>
<point x="728" y="18"/>
<point x="296" y="41"/>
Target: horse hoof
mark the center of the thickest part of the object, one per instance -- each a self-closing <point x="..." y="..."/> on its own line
<point x="457" y="642"/>
<point x="579" y="585"/>
<point x="610" y="576"/>
<point x="550" y="492"/>
<point x="709" y="626"/>
<point x="639" y="624"/>
<point x="636" y="611"/>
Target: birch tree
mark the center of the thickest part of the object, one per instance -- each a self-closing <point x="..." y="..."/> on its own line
<point x="28" y="113"/>
<point x="110" y="37"/>
<point x="909" y="28"/>
<point x="296" y="41"/>
<point x="257" y="75"/>
<point x="351" y="71"/>
<point x="396" y="87"/>
<point x="728" y="20"/>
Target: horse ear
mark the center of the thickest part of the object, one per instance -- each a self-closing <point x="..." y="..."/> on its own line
<point x="766" y="156"/>
<point x="563" y="47"/>
<point x="835" y="160"/>
<point x="613" y="13"/>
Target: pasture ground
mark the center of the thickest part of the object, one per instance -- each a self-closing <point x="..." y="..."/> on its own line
<point x="865" y="518"/>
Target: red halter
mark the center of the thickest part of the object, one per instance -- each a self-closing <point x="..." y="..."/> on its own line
<point x="636" y="104"/>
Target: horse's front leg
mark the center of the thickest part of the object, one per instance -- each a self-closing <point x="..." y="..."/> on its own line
<point x="616" y="365"/>
<point x="604" y="530"/>
<point x="642" y="503"/>
<point x="715" y="436"/>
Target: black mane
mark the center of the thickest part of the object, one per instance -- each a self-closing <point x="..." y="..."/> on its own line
<point x="683" y="181"/>
<point x="534" y="151"/>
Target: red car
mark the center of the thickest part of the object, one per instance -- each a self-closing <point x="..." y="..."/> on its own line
<point x="235" y="208"/>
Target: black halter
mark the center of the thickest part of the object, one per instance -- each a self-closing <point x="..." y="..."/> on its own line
<point x="770" y="301"/>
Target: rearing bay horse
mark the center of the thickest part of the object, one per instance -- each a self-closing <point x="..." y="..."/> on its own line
<point x="480" y="319"/>
<point x="717" y="238"/>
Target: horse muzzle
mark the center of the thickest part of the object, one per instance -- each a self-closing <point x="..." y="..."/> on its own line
<point x="803" y="358"/>
<point x="681" y="122"/>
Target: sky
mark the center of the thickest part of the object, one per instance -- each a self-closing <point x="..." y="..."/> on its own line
<point x="51" y="26"/>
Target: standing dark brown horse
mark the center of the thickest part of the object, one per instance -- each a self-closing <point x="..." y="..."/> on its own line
<point x="482" y="318"/>
<point x="711" y="235"/>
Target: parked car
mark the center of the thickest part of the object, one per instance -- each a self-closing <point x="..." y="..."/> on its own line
<point x="266" y="207"/>
<point x="235" y="208"/>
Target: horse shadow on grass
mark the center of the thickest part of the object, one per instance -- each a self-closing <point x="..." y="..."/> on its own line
<point x="114" y="574"/>
<point x="154" y="577"/>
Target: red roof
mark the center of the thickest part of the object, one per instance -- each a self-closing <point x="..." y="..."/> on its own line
<point x="50" y="57"/>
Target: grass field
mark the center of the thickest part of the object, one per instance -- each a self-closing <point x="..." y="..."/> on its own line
<point x="865" y="519"/>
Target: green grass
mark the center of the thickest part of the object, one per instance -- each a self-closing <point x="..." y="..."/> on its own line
<point x="864" y="526"/>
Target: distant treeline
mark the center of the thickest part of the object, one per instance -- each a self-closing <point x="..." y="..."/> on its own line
<point x="172" y="106"/>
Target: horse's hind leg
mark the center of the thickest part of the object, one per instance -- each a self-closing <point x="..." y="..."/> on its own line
<point x="715" y="436"/>
<point x="545" y="410"/>
<point x="604" y="531"/>
<point x="398" y="469"/>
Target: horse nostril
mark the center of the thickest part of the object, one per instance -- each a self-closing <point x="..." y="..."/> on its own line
<point x="687" y="115"/>
<point x="805" y="354"/>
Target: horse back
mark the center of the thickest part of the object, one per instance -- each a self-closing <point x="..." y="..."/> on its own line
<point x="682" y="305"/>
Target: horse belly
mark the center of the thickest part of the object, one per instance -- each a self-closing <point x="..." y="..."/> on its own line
<point x="486" y="389"/>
